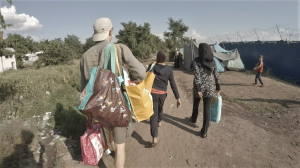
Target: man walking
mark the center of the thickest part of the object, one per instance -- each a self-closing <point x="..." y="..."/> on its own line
<point x="95" y="57"/>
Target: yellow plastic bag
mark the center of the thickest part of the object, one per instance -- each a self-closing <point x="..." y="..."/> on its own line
<point x="141" y="99"/>
<point x="140" y="95"/>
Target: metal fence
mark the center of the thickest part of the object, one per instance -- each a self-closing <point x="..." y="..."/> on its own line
<point x="281" y="57"/>
<point x="275" y="33"/>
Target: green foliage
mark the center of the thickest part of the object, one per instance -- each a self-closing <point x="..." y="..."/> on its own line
<point x="56" y="53"/>
<point x="138" y="39"/>
<point x="6" y="52"/>
<point x="174" y="38"/>
<point x="23" y="95"/>
<point x="74" y="44"/>
<point x="160" y="45"/>
<point x="23" y="92"/>
<point x="2" y="21"/>
<point x="88" y="44"/>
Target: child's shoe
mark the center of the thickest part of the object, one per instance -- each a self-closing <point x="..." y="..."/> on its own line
<point x="254" y="83"/>
<point x="261" y="86"/>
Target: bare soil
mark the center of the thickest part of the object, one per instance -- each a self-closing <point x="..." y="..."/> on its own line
<point x="259" y="127"/>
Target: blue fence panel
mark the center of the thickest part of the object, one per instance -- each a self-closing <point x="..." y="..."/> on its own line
<point x="281" y="57"/>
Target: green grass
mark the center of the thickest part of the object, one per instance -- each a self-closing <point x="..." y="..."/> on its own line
<point x="23" y="95"/>
<point x="23" y="92"/>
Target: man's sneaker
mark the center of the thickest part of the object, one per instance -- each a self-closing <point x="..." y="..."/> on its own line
<point x="254" y="83"/>
<point x="261" y="86"/>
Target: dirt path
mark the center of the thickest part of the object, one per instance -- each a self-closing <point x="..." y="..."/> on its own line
<point x="259" y="128"/>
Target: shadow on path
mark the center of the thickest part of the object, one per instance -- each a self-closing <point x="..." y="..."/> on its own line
<point x="283" y="103"/>
<point x="22" y="155"/>
<point x="172" y="120"/>
<point x="140" y="139"/>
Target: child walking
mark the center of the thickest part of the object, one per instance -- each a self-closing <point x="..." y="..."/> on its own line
<point x="164" y="74"/>
<point x="259" y="68"/>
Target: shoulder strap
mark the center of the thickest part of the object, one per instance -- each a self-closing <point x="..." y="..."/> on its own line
<point x="117" y="60"/>
<point x="152" y="65"/>
<point x="112" y="57"/>
<point x="129" y="70"/>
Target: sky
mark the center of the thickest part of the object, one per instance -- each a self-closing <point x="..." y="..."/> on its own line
<point x="45" y="19"/>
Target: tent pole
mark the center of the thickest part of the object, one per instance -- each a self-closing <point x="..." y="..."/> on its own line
<point x="256" y="34"/>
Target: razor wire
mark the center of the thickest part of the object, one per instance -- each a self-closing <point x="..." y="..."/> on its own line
<point x="275" y="33"/>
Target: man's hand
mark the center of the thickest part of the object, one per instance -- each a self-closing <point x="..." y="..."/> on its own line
<point x="178" y="103"/>
<point x="200" y="94"/>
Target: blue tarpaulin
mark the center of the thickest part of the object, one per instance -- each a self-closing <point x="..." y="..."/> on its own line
<point x="219" y="65"/>
<point x="220" y="49"/>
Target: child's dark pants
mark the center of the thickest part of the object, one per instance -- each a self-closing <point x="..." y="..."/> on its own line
<point x="258" y="76"/>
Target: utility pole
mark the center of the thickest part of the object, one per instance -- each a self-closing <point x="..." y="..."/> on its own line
<point x="279" y="32"/>
<point x="256" y="34"/>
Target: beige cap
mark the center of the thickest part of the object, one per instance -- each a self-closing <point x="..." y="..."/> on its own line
<point x="102" y="26"/>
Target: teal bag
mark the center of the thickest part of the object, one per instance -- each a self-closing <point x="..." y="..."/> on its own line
<point x="88" y="90"/>
<point x="215" y="109"/>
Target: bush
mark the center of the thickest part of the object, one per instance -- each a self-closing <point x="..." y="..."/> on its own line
<point x="56" y="54"/>
<point x="23" y="92"/>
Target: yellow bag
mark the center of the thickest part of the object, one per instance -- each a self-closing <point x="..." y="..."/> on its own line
<point x="140" y="95"/>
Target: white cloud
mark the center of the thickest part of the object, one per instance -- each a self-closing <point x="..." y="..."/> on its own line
<point x="22" y="22"/>
<point x="35" y="38"/>
<point x="197" y="36"/>
<point x="160" y="35"/>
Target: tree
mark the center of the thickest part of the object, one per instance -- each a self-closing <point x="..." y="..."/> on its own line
<point x="174" y="38"/>
<point x="74" y="43"/>
<point x="159" y="44"/>
<point x="138" y="39"/>
<point x="2" y="21"/>
<point x="88" y="44"/>
<point x="56" y="53"/>
<point x="59" y="40"/>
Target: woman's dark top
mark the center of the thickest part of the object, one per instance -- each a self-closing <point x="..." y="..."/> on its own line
<point x="203" y="82"/>
<point x="163" y="74"/>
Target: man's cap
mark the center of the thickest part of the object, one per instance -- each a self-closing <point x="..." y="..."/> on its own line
<point x="102" y="26"/>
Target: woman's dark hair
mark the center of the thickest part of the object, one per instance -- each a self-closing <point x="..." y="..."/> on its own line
<point x="161" y="56"/>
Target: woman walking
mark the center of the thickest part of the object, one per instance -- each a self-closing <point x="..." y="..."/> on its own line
<point x="163" y="73"/>
<point x="204" y="66"/>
